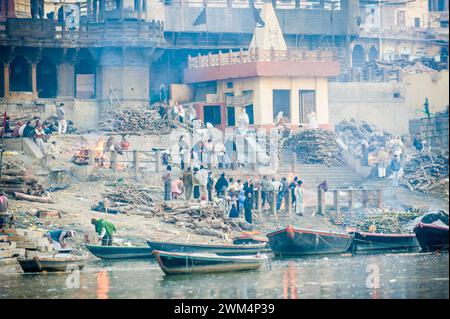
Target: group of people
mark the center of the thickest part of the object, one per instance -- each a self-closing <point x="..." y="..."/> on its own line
<point x="177" y="112"/>
<point x="199" y="184"/>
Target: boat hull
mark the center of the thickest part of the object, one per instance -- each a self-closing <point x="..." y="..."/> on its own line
<point x="223" y="250"/>
<point x="200" y="263"/>
<point x="118" y="252"/>
<point x="296" y="241"/>
<point x="52" y="264"/>
<point x="432" y="237"/>
<point x="369" y="241"/>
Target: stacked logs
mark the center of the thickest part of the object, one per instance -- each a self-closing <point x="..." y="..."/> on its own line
<point x="21" y="184"/>
<point x="134" y="120"/>
<point x="427" y="172"/>
<point x="316" y="147"/>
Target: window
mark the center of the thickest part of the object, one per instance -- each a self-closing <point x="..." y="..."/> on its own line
<point x="401" y="18"/>
<point x="307" y="100"/>
<point x="396" y="95"/>
<point x="212" y="114"/>
<point x="443" y="24"/>
<point x="229" y="85"/>
<point x="417" y="22"/>
<point x="249" y="111"/>
<point x="231" y="116"/>
<point x="282" y="103"/>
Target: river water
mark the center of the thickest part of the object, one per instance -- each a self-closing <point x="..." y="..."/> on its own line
<point x="402" y="275"/>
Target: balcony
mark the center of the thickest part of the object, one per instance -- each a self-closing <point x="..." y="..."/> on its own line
<point x="256" y="62"/>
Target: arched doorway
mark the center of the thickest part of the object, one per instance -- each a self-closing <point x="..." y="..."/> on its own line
<point x="373" y="54"/>
<point x="46" y="78"/>
<point x="20" y="75"/>
<point x="358" y="54"/>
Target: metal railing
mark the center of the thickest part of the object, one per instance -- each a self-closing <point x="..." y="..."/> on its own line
<point x="258" y="55"/>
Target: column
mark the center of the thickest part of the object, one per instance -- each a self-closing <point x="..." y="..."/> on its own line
<point x="297" y="4"/>
<point x="6" y="79"/>
<point x="321" y="204"/>
<point x="351" y="199"/>
<point x="33" y="80"/>
<point x="336" y="201"/>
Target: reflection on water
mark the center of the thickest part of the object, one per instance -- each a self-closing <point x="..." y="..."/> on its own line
<point x="411" y="275"/>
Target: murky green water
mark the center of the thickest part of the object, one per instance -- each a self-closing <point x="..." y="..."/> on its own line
<point x="406" y="275"/>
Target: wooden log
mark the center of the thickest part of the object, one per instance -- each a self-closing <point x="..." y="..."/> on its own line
<point x="30" y="198"/>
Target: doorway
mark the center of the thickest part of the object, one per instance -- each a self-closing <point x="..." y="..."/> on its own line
<point x="212" y="114"/>
<point x="307" y="100"/>
<point x="282" y="103"/>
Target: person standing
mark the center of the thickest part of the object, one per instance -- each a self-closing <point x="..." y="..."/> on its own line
<point x="61" y="117"/>
<point x="181" y="113"/>
<point x="39" y="138"/>
<point x="125" y="149"/>
<point x="105" y="230"/>
<point x="209" y="186"/>
<point x="5" y="217"/>
<point x="382" y="158"/>
<point x="266" y="188"/>
<point x="418" y="143"/>
<point x="248" y="206"/>
<point x="167" y="182"/>
<point x="220" y="152"/>
<point x="187" y="181"/>
<point x="221" y="185"/>
<point x="395" y="167"/>
<point x="241" y="201"/>
<point x="292" y="186"/>
<point x="192" y="114"/>
<point x="283" y="191"/>
<point x="196" y="183"/>
<point x="299" y="207"/>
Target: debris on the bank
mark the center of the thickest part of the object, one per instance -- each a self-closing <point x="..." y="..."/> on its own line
<point x="354" y="133"/>
<point x="377" y="220"/>
<point x="316" y="147"/>
<point x="17" y="242"/>
<point x="22" y="184"/>
<point x="427" y="172"/>
<point x="136" y="120"/>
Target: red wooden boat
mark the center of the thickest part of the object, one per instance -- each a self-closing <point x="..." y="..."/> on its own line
<point x="432" y="237"/>
<point x="299" y="241"/>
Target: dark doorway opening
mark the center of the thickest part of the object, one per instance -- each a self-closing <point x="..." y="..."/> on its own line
<point x="249" y="111"/>
<point x="231" y="116"/>
<point x="212" y="114"/>
<point x="46" y="78"/>
<point x="85" y="77"/>
<point x="20" y="75"/>
<point x="282" y="103"/>
<point x="358" y="54"/>
<point x="373" y="54"/>
<point x="307" y="99"/>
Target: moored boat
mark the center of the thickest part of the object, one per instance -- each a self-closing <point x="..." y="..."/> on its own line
<point x="173" y="263"/>
<point x="251" y="249"/>
<point x="432" y="237"/>
<point x="120" y="252"/>
<point x="299" y="241"/>
<point x="53" y="263"/>
<point x="375" y="241"/>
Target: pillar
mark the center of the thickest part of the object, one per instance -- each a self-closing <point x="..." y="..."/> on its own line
<point x="33" y="80"/>
<point x="321" y="204"/>
<point x="6" y="79"/>
<point x="336" y="200"/>
<point x="259" y="199"/>
<point x="158" y="161"/>
<point x="273" y="200"/>
<point x="136" y="161"/>
<point x="351" y="199"/>
<point x="364" y="198"/>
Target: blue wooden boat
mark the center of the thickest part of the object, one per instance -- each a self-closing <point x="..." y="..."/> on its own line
<point x="224" y="250"/>
<point x="120" y="252"/>
<point x="174" y="263"/>
<point x="432" y="237"/>
<point x="372" y="241"/>
<point x="299" y="241"/>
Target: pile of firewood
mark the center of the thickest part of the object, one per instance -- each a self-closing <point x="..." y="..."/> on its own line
<point x="22" y="184"/>
<point x="135" y="120"/>
<point x="427" y="172"/>
<point x="316" y="147"/>
<point x="353" y="134"/>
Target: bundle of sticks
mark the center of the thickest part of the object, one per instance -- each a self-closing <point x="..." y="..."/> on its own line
<point x="428" y="171"/>
<point x="316" y="147"/>
<point x="133" y="120"/>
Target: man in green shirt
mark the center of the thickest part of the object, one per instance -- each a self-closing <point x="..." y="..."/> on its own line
<point x="105" y="230"/>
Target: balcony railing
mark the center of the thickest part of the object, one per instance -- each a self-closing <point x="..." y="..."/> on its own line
<point x="258" y="55"/>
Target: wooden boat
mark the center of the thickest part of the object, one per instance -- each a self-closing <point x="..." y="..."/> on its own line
<point x="373" y="241"/>
<point x="52" y="263"/>
<point x="173" y="263"/>
<point x="245" y="239"/>
<point x="120" y="252"/>
<point x="298" y="241"/>
<point x="432" y="237"/>
<point x="224" y="250"/>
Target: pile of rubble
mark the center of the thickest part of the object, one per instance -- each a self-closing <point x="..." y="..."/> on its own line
<point x="378" y="220"/>
<point x="136" y="120"/>
<point x="353" y="134"/>
<point x="316" y="147"/>
<point x="18" y="242"/>
<point x="22" y="184"/>
<point x="427" y="172"/>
